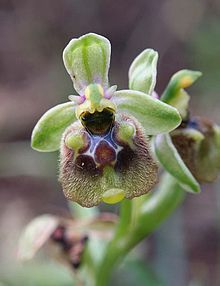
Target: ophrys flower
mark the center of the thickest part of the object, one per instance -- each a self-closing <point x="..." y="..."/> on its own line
<point x="102" y="133"/>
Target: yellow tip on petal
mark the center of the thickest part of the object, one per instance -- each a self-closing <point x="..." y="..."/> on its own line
<point x="113" y="196"/>
<point x="186" y="81"/>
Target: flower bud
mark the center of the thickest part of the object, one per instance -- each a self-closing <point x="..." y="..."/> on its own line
<point x="106" y="167"/>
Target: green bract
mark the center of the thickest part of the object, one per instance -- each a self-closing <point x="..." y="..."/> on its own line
<point x="143" y="71"/>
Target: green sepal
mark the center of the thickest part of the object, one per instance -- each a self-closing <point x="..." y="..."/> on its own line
<point x="35" y="235"/>
<point x="48" y="131"/>
<point x="143" y="71"/>
<point x="170" y="159"/>
<point x="208" y="159"/>
<point x="87" y="60"/>
<point x="180" y="80"/>
<point x="155" y="116"/>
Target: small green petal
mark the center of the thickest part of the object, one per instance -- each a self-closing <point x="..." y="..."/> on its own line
<point x="181" y="102"/>
<point x="143" y="71"/>
<point x="180" y="80"/>
<point x="173" y="163"/>
<point x="87" y="60"/>
<point x="48" y="131"/>
<point x="154" y="115"/>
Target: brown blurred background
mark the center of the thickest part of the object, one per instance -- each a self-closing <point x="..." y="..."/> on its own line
<point x="186" y="249"/>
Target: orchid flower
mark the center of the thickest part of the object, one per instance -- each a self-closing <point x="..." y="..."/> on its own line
<point x="190" y="153"/>
<point x="102" y="133"/>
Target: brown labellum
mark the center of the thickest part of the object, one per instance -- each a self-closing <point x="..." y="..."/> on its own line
<point x="200" y="153"/>
<point x="72" y="245"/>
<point x="120" y="159"/>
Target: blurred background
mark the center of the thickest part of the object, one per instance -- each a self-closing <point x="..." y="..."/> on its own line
<point x="186" y="248"/>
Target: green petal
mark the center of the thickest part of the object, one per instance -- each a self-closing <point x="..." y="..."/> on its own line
<point x="154" y="115"/>
<point x="87" y="60"/>
<point x="48" y="131"/>
<point x="181" y="102"/>
<point x="143" y="71"/>
<point x="180" y="80"/>
<point x="173" y="163"/>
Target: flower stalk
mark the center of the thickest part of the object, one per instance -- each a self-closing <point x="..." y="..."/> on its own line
<point x="152" y="213"/>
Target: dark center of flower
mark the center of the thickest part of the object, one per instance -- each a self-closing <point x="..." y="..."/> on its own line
<point x="98" y="123"/>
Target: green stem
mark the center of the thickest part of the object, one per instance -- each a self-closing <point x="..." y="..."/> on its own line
<point x="124" y="219"/>
<point x="155" y="210"/>
<point x="124" y="224"/>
